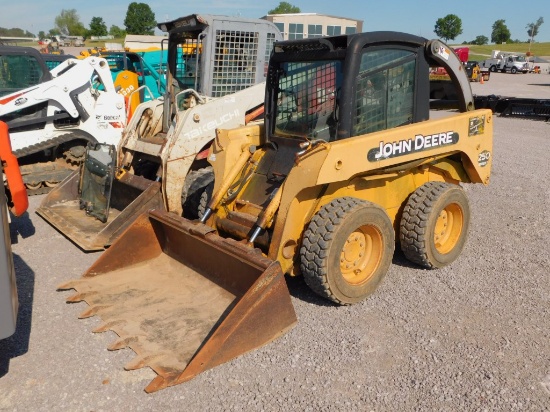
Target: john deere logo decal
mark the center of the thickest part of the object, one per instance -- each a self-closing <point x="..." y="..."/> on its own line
<point x="419" y="143"/>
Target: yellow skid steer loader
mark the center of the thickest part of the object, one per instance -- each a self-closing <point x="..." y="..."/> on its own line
<point x="350" y="159"/>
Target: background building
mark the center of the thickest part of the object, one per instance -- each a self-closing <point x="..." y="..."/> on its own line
<point x="311" y="25"/>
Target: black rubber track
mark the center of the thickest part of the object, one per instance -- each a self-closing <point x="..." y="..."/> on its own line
<point x="56" y="141"/>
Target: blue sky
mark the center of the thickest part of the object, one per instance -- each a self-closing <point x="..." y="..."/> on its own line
<point x="400" y="15"/>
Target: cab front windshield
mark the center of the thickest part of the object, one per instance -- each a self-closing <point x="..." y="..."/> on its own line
<point x="307" y="99"/>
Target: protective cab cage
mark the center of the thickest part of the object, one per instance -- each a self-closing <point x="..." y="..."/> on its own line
<point x="337" y="87"/>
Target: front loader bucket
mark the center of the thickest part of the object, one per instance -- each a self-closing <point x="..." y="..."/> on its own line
<point x="183" y="298"/>
<point x="131" y="196"/>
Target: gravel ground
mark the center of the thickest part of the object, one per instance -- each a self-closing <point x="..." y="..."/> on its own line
<point x="473" y="336"/>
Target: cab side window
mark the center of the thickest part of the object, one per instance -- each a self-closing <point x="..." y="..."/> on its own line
<point x="19" y="72"/>
<point x="385" y="90"/>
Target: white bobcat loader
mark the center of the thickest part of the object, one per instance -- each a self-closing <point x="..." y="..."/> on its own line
<point x="53" y="115"/>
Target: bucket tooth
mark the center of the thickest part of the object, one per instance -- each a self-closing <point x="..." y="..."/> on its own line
<point x="79" y="297"/>
<point x="104" y="327"/>
<point x="141" y="361"/>
<point x="161" y="382"/>
<point x="71" y="284"/>
<point x="91" y="311"/>
<point x="122" y="343"/>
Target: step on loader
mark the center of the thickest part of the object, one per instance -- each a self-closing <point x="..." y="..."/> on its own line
<point x="216" y="75"/>
<point x="349" y="161"/>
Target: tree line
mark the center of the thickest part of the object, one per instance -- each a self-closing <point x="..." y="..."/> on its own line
<point x="139" y="19"/>
<point x="450" y="26"/>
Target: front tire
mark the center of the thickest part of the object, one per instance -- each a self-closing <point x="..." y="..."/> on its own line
<point x="347" y="250"/>
<point x="434" y="225"/>
<point x="195" y="183"/>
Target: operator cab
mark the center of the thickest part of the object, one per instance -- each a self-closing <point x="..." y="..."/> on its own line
<point x="343" y="86"/>
<point x="333" y="88"/>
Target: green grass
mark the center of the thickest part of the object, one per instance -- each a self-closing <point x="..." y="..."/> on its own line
<point x="101" y="43"/>
<point x="484" y="52"/>
<point x="89" y="43"/>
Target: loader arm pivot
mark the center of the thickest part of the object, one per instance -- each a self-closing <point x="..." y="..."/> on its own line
<point x="448" y="59"/>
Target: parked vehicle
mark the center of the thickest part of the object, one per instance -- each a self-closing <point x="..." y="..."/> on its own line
<point x="348" y="161"/>
<point x="52" y="115"/>
<point x="475" y="73"/>
<point x="506" y="62"/>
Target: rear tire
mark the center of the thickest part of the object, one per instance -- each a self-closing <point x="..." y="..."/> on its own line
<point x="195" y="183"/>
<point x="434" y="225"/>
<point x="347" y="250"/>
<point x="493" y="68"/>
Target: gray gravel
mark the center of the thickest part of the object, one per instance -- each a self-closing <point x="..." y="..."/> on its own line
<point x="473" y="336"/>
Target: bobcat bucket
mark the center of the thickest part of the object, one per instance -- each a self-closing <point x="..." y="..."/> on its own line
<point x="132" y="196"/>
<point x="183" y="298"/>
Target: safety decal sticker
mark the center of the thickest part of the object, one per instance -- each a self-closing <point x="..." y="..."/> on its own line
<point x="476" y="125"/>
<point x="483" y="158"/>
<point x="443" y="52"/>
<point x="419" y="143"/>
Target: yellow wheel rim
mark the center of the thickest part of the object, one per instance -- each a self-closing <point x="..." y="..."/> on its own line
<point x="361" y="254"/>
<point x="448" y="228"/>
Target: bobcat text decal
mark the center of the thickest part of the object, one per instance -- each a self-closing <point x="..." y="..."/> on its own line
<point x="419" y="143"/>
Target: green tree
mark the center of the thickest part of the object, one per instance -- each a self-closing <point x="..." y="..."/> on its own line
<point x="15" y="32"/>
<point x="480" y="40"/>
<point x="500" y="33"/>
<point x="284" y="8"/>
<point x="140" y="19"/>
<point x="448" y="27"/>
<point x="117" y="32"/>
<point x="533" y="30"/>
<point x="68" y="23"/>
<point x="41" y="34"/>
<point x="97" y="27"/>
